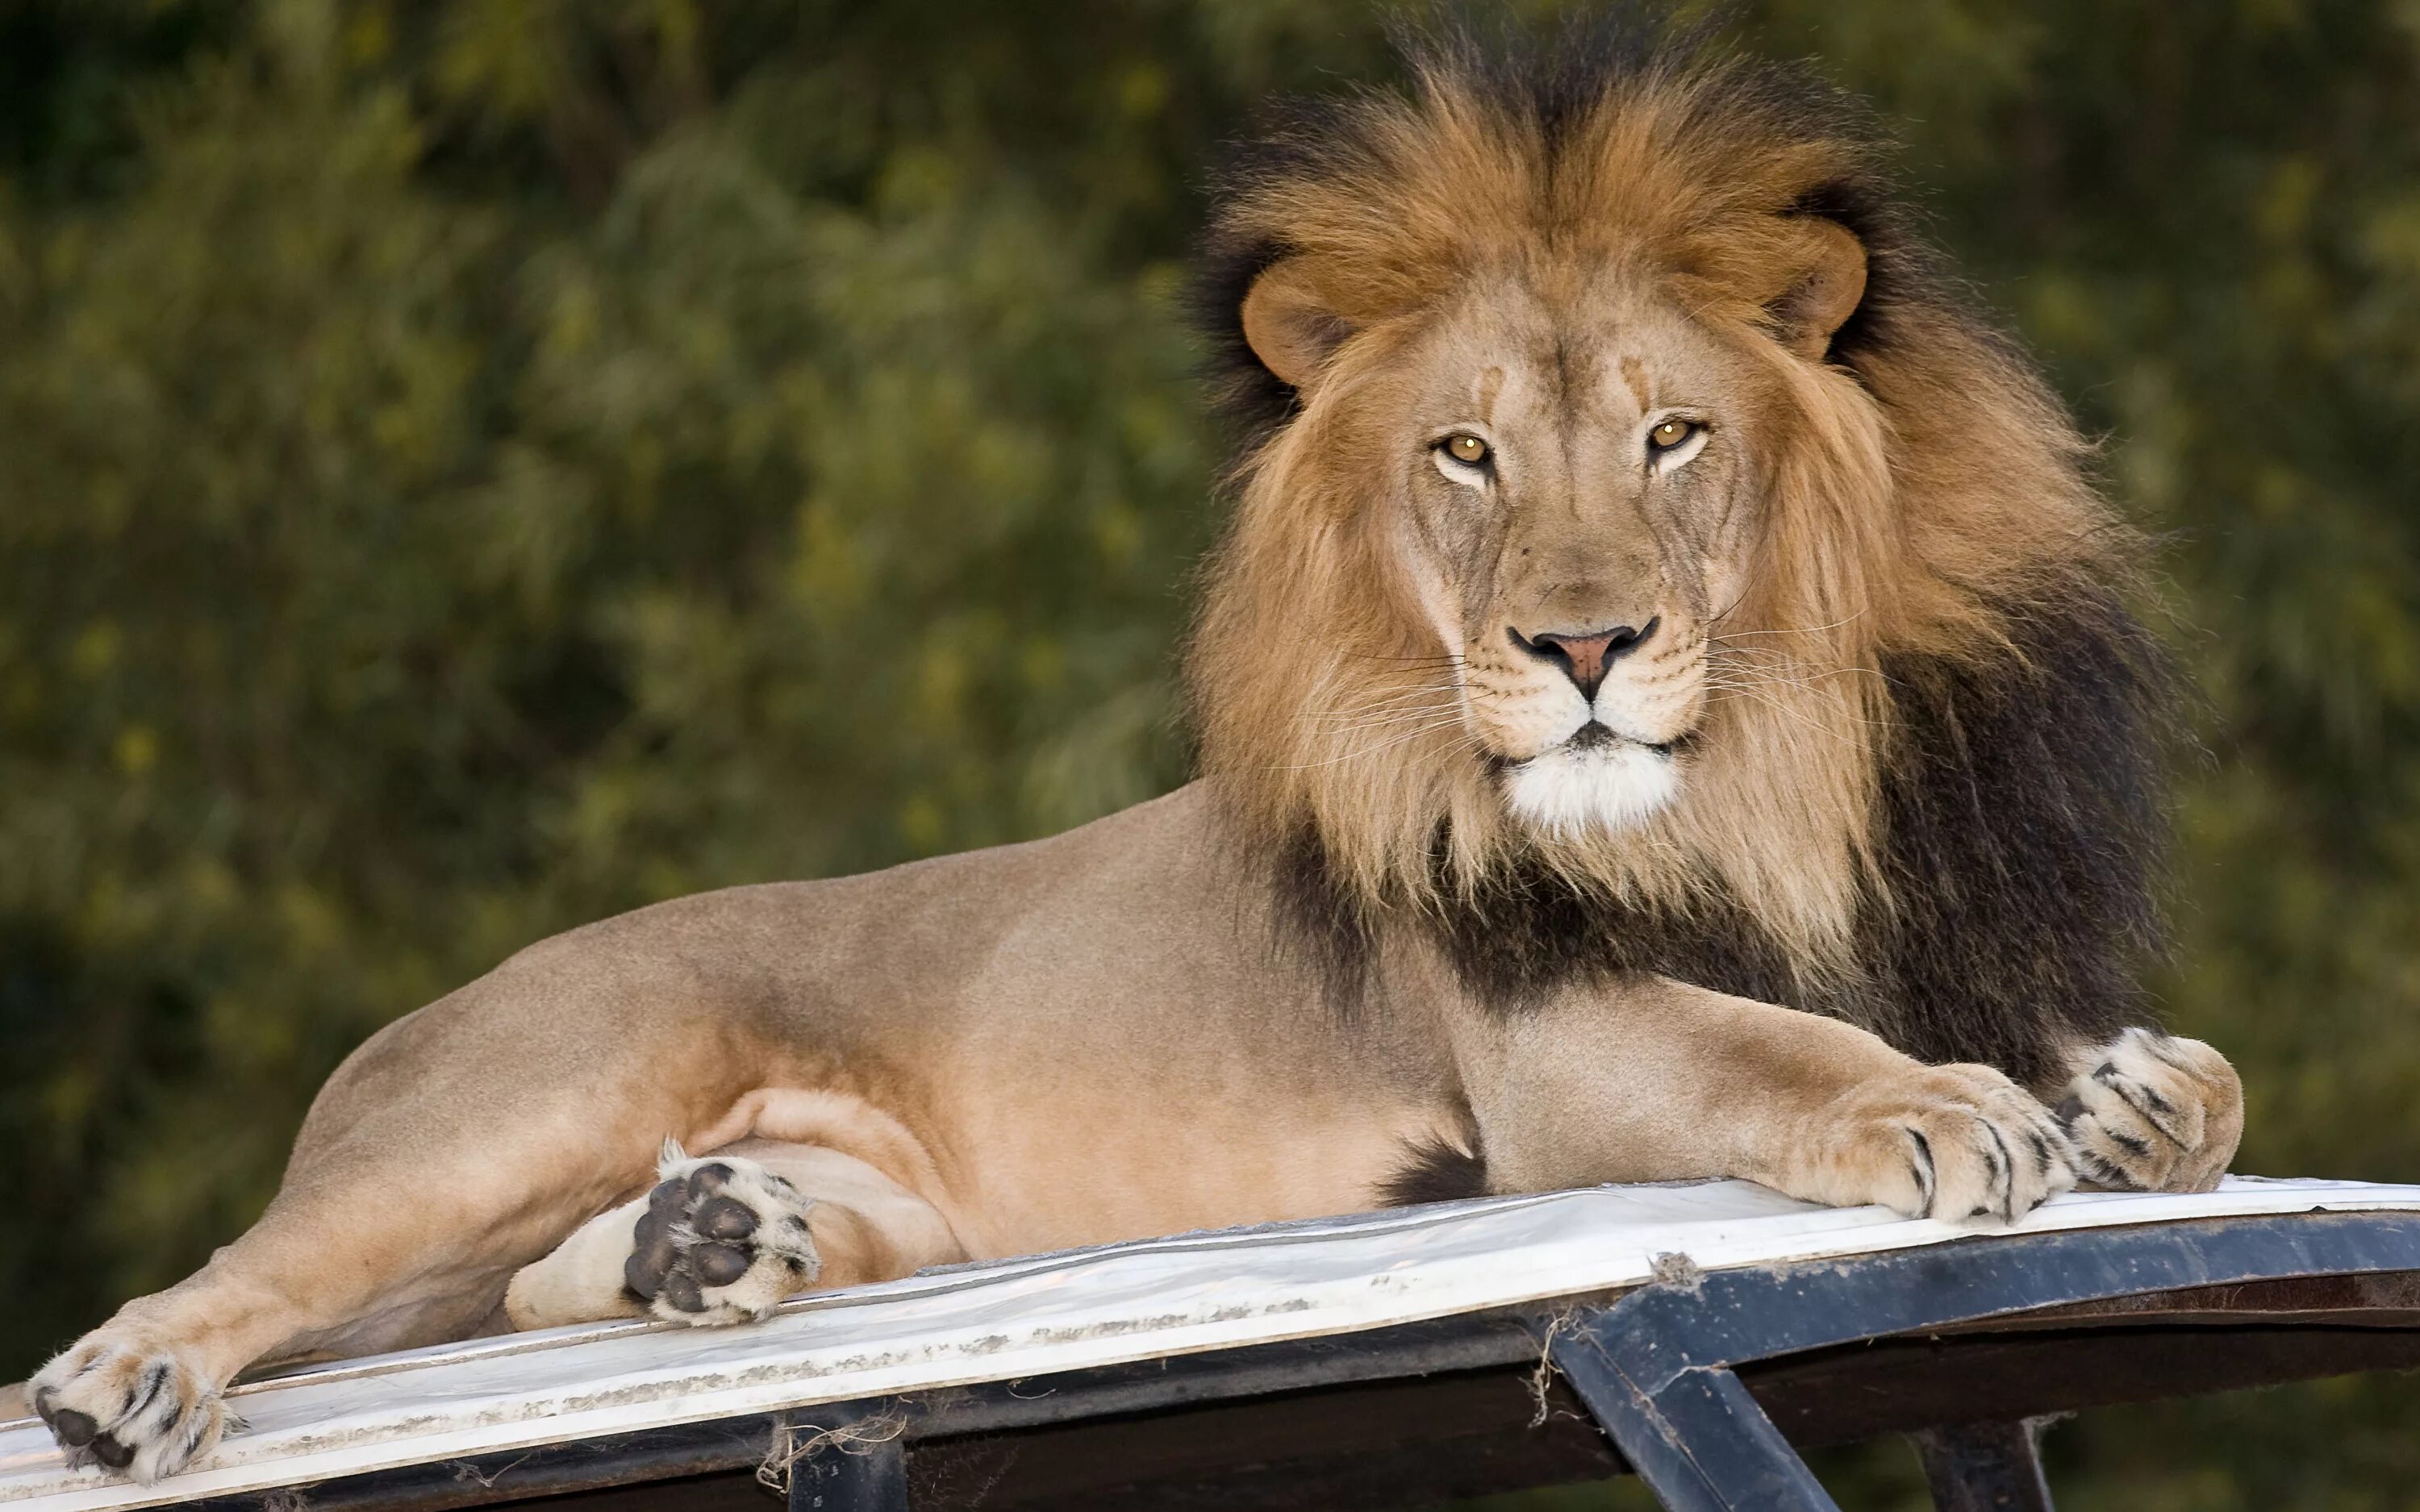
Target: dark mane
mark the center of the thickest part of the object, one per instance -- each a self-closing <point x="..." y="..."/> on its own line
<point x="2019" y="833"/>
<point x="2022" y="839"/>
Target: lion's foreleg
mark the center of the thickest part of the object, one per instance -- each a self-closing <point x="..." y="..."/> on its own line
<point x="1655" y="1080"/>
<point x="723" y="1237"/>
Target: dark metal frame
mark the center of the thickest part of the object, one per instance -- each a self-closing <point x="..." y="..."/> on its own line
<point x="1687" y="1377"/>
<point x="1659" y="1368"/>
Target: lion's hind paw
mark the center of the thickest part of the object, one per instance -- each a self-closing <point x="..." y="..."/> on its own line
<point x="722" y="1241"/>
<point x="131" y="1407"/>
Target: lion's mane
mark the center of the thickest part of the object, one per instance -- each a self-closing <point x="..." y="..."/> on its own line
<point x="1934" y="804"/>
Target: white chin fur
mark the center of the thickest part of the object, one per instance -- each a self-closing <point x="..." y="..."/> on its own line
<point x="1567" y="794"/>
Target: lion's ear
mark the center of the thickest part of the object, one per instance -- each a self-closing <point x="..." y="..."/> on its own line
<point x="1830" y="284"/>
<point x="1290" y="328"/>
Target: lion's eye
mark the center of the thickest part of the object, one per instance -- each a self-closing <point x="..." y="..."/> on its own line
<point x="1670" y="435"/>
<point x="1465" y="448"/>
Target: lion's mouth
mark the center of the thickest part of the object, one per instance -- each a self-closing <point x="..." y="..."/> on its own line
<point x="1598" y="735"/>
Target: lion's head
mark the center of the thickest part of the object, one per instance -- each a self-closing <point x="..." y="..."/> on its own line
<point x="1613" y="436"/>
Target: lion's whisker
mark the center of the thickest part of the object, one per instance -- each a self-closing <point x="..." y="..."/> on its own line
<point x="1426" y="701"/>
<point x="1372" y="750"/>
<point x="1438" y="660"/>
<point x="1796" y="715"/>
<point x="1809" y="677"/>
<point x="1810" y="629"/>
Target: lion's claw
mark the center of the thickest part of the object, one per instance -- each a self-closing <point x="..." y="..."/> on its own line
<point x="1957" y="1143"/>
<point x="128" y="1406"/>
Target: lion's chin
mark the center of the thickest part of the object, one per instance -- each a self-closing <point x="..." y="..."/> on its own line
<point x="1578" y="789"/>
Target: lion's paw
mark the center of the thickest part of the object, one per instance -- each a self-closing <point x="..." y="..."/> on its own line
<point x="1958" y="1142"/>
<point x="722" y="1241"/>
<point x="2149" y="1112"/>
<point x="129" y="1404"/>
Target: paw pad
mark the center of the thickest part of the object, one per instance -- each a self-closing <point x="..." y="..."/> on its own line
<point x="721" y="1241"/>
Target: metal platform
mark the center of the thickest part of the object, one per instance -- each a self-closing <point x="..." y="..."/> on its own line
<point x="1697" y="1335"/>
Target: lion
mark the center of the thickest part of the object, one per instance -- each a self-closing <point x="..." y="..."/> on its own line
<point x="1666" y="706"/>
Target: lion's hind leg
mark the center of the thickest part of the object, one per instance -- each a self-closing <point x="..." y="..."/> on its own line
<point x="724" y="1237"/>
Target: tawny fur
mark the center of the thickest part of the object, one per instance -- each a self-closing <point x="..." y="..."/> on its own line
<point x="1874" y="550"/>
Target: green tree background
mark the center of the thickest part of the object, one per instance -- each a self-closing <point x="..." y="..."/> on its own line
<point x="467" y="468"/>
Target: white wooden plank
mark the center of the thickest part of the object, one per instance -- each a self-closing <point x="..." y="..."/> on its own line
<point x="1027" y="1318"/>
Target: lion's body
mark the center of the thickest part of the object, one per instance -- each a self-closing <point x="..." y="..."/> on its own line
<point x="940" y="1022"/>
<point x="1651" y="601"/>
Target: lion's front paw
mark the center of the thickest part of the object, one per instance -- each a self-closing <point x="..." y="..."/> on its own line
<point x="2149" y="1112"/>
<point x="129" y="1404"/>
<point x="722" y="1241"/>
<point x="1958" y="1142"/>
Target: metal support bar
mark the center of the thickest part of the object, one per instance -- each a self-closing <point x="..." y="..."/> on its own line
<point x="1655" y="1367"/>
<point x="856" y="1464"/>
<point x="1985" y="1467"/>
<point x="1701" y="1445"/>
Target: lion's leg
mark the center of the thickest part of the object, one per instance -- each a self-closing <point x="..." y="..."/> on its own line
<point x="388" y="1253"/>
<point x="722" y="1237"/>
<point x="2151" y="1112"/>
<point x="457" y="1144"/>
<point x="1655" y="1080"/>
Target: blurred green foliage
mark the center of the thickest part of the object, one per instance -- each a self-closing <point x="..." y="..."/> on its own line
<point x="467" y="467"/>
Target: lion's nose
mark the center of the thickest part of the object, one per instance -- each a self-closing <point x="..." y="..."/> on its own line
<point x="1587" y="657"/>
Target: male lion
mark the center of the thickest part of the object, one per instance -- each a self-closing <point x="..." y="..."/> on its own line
<point x="1651" y="598"/>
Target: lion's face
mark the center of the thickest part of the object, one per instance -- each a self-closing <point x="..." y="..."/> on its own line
<point x="1548" y="457"/>
<point x="1570" y="520"/>
<point x="1607" y="454"/>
